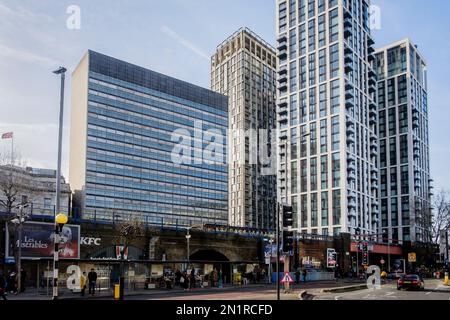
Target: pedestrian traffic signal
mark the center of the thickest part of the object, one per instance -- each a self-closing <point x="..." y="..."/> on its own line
<point x="365" y="252"/>
<point x="288" y="241"/>
<point x="288" y="216"/>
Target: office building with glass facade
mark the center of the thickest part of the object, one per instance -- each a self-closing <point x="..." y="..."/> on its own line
<point x="127" y="124"/>
<point x="404" y="143"/>
<point x="327" y="116"/>
<point x="244" y="69"/>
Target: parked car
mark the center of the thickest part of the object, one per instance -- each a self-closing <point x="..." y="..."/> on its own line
<point x="410" y="281"/>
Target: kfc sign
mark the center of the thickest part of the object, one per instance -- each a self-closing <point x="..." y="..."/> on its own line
<point x="88" y="241"/>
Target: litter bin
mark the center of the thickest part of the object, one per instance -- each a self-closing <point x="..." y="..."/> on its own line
<point x="117" y="291"/>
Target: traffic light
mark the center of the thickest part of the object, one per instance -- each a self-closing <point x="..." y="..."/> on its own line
<point x="288" y="216"/>
<point x="288" y="241"/>
<point x="365" y="253"/>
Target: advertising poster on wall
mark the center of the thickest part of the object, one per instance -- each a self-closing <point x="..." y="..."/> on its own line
<point x="37" y="241"/>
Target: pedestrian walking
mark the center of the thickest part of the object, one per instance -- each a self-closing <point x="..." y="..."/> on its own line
<point x="2" y="287"/>
<point x="192" y="279"/>
<point x="305" y="273"/>
<point x="12" y="282"/>
<point x="92" y="278"/>
<point x="83" y="280"/>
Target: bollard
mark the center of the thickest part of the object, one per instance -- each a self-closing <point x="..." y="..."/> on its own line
<point x="446" y="279"/>
<point x="117" y="291"/>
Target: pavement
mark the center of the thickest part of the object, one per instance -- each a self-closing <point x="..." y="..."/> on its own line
<point x="247" y="292"/>
<point x="321" y="290"/>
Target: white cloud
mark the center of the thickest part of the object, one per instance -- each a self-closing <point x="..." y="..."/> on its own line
<point x="185" y="43"/>
<point x="26" y="56"/>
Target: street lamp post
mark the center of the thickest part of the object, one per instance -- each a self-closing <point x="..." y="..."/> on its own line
<point x="270" y="261"/>
<point x="60" y="221"/>
<point x="61" y="71"/>
<point x="278" y="250"/>
<point x="188" y="238"/>
<point x="19" y="221"/>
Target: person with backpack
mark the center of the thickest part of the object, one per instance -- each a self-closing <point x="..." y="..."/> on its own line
<point x="2" y="287"/>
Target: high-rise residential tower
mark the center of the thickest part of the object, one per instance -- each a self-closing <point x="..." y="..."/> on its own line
<point x="404" y="144"/>
<point x="141" y="145"/>
<point x="244" y="69"/>
<point x="327" y="116"/>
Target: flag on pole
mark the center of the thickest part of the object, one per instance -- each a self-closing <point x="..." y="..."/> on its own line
<point x="8" y="135"/>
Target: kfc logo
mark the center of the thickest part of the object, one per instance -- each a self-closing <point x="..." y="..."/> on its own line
<point x="87" y="241"/>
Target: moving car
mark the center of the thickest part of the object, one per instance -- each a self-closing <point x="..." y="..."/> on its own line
<point x="410" y="281"/>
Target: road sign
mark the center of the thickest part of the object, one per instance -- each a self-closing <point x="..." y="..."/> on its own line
<point x="287" y="278"/>
<point x="382" y="261"/>
<point x="412" y="257"/>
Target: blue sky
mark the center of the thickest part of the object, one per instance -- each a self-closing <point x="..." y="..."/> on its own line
<point x="175" y="37"/>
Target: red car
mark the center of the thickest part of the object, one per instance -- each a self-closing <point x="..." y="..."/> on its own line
<point x="410" y="281"/>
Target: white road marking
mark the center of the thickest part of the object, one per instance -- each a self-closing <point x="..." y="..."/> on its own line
<point x="428" y="293"/>
<point x="337" y="298"/>
<point x="390" y="293"/>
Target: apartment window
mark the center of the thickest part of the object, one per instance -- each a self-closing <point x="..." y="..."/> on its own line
<point x="294" y="202"/>
<point x="403" y="149"/>
<point x="402" y="90"/>
<point x="312" y="104"/>
<point x="303" y="176"/>
<point x="322" y="66"/>
<point x="312" y="69"/>
<point x="394" y="212"/>
<point x="313" y="174"/>
<point x="322" y="35"/>
<point x="336" y="170"/>
<point x="404" y="172"/>
<point x="313" y="139"/>
<point x="292" y="16"/>
<point x="381" y="95"/>
<point x="294" y="143"/>
<point x="383" y="155"/>
<point x="391" y="92"/>
<point x="303" y="78"/>
<point x="312" y="35"/>
<point x="302" y="44"/>
<point x="294" y="179"/>
<point x="405" y="211"/>
<point x="392" y="122"/>
<point x="383" y="182"/>
<point x="282" y="16"/>
<point x="323" y="100"/>
<point x="382" y="123"/>
<point x="303" y="104"/>
<point x="332" y="3"/>
<point x="324" y="206"/>
<point x="334" y="97"/>
<point x="323" y="136"/>
<point x="393" y="151"/>
<point x="384" y="213"/>
<point x="302" y="10"/>
<point x="293" y="76"/>
<point x="336" y="207"/>
<point x="334" y="25"/>
<point x="324" y="172"/>
<point x="335" y="137"/>
<point x="304" y="209"/>
<point x="393" y="174"/>
<point x="314" y="214"/>
<point x="294" y="110"/>
<point x="334" y="61"/>
<point x="403" y="118"/>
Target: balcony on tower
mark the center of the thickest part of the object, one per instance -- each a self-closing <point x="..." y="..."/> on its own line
<point x="350" y="125"/>
<point x="416" y="154"/>
<point x="352" y="213"/>
<point x="352" y="203"/>
<point x="415" y="115"/>
<point x="348" y="27"/>
<point x="350" y="138"/>
<point x="282" y="106"/>
<point x="374" y="170"/>
<point x="415" y="124"/>
<point x="351" y="175"/>
<point x="349" y="90"/>
<point x="282" y="42"/>
<point x="282" y="54"/>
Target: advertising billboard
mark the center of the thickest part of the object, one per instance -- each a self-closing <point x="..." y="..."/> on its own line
<point x="37" y="241"/>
